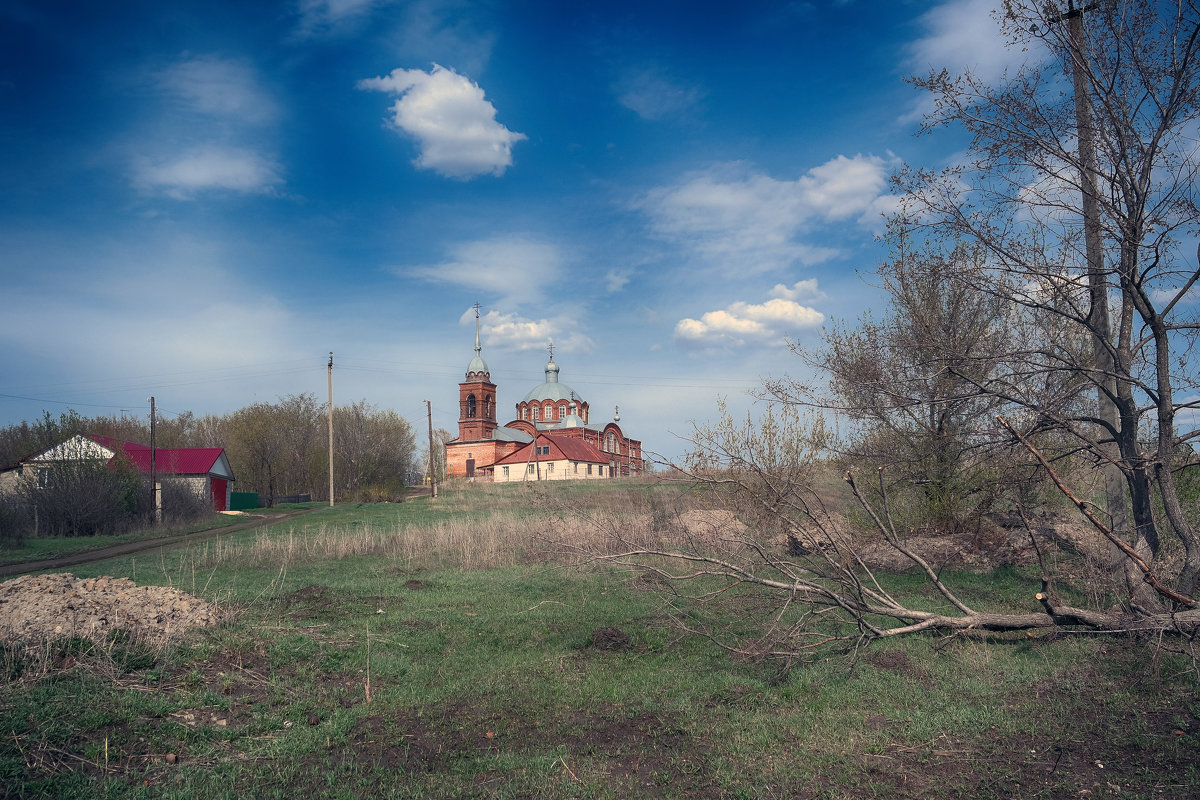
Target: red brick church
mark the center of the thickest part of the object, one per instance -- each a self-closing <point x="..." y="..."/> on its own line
<point x="550" y="439"/>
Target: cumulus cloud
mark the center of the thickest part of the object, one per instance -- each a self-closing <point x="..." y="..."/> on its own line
<point x="453" y="123"/>
<point x="219" y="87"/>
<point x="741" y="324"/>
<point x="654" y="96"/>
<point x="800" y="290"/>
<point x="207" y="169"/>
<point x="733" y="216"/>
<point x="507" y="331"/>
<point x="513" y="267"/>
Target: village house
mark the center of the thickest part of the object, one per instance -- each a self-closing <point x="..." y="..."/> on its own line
<point x="204" y="470"/>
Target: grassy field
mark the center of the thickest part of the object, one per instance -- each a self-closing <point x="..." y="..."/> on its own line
<point x="432" y="649"/>
<point x="37" y="549"/>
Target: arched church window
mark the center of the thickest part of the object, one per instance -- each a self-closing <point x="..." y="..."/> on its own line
<point x="471" y="406"/>
<point x="536" y="412"/>
<point x="487" y="406"/>
<point x="562" y="411"/>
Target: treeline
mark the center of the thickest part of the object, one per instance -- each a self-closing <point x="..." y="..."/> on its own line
<point x="275" y="449"/>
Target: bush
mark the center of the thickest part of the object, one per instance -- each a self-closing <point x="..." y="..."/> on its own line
<point x="12" y="521"/>
<point x="81" y="498"/>
<point x="181" y="503"/>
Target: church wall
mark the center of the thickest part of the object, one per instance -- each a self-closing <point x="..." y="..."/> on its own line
<point x="485" y="453"/>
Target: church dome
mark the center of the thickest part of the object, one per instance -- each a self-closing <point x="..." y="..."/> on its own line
<point x="551" y="389"/>
<point x="477" y="366"/>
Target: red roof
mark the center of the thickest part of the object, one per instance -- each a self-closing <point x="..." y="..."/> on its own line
<point x="561" y="447"/>
<point x="167" y="460"/>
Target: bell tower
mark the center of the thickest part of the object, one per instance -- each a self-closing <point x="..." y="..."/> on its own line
<point x="476" y="397"/>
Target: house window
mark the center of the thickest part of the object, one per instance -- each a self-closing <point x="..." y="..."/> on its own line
<point x="530" y="469"/>
<point x="589" y="469"/>
<point x="506" y="472"/>
<point x="576" y="469"/>
<point x="543" y="450"/>
<point x="550" y="467"/>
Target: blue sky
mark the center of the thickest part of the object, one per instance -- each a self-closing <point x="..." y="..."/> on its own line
<point x="203" y="199"/>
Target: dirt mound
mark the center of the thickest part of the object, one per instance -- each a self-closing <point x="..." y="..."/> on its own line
<point x="61" y="605"/>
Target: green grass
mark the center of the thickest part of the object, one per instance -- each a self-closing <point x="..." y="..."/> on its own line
<point x="57" y="547"/>
<point x="486" y="683"/>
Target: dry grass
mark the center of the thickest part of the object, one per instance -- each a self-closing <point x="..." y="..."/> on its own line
<point x="498" y="540"/>
<point x="32" y="658"/>
<point x="522" y="527"/>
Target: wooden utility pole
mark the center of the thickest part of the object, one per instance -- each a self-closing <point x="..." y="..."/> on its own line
<point x="331" y="429"/>
<point x="155" y="494"/>
<point x="432" y="462"/>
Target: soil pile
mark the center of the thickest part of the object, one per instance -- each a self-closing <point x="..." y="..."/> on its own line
<point x="61" y="605"/>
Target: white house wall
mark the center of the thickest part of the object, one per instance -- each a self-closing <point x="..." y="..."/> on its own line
<point x="562" y="470"/>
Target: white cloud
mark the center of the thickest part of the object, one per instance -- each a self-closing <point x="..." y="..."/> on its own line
<point x="513" y="267"/>
<point x="503" y="331"/>
<point x="735" y="217"/>
<point x="616" y="279"/>
<point x="963" y="35"/>
<point x="445" y="32"/>
<point x="206" y="136"/>
<point x="800" y="290"/>
<point x="454" y="125"/>
<point x="742" y="324"/>
<point x="219" y="87"/>
<point x="654" y="96"/>
<point x="327" y="16"/>
<point x="208" y="169"/>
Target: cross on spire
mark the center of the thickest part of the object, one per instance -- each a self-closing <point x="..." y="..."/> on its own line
<point x="477" y="345"/>
<point x="551" y="348"/>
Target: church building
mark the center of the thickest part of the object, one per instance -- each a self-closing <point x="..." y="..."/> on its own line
<point x="551" y="438"/>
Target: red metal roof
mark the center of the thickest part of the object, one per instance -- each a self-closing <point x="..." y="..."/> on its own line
<point x="167" y="460"/>
<point x="561" y="447"/>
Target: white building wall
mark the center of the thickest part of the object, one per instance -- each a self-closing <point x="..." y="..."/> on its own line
<point x="562" y="470"/>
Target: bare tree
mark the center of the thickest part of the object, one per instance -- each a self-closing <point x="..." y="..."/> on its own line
<point x="1014" y="200"/>
<point x="372" y="448"/>
<point x="1018" y="197"/>
<point x="906" y="383"/>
